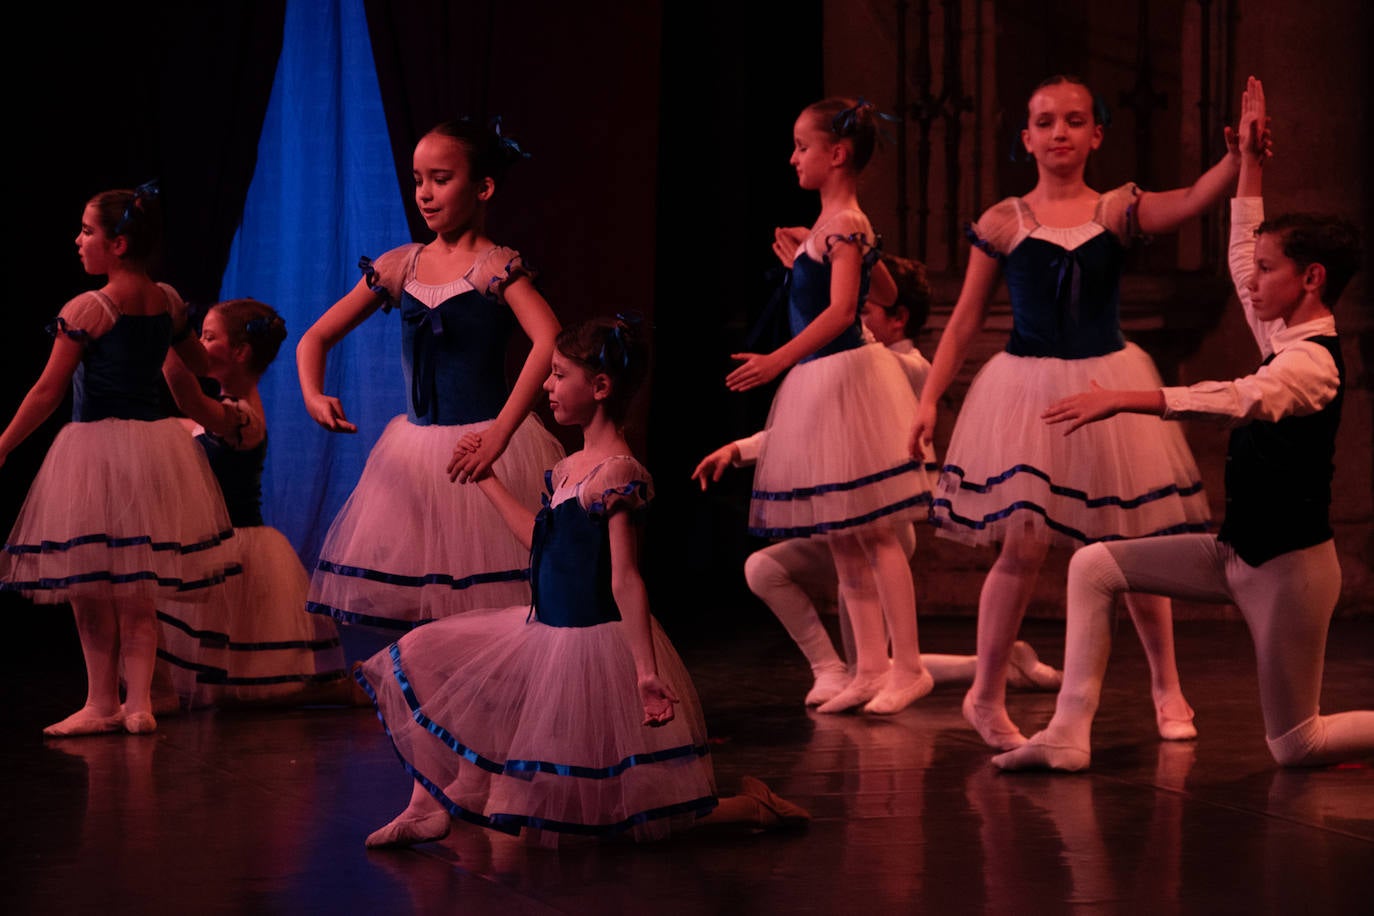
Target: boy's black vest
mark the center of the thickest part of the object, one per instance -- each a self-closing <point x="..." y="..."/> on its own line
<point x="1278" y="478"/>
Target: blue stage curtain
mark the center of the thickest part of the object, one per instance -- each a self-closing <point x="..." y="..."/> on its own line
<point x="323" y="193"/>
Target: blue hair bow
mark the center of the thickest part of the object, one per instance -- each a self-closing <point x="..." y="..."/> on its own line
<point x="506" y="144"/>
<point x="625" y="321"/>
<point x="146" y="191"/>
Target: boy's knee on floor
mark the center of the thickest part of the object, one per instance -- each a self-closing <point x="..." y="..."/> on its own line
<point x="1295" y="746"/>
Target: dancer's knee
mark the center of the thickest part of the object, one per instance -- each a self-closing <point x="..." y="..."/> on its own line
<point x="1095" y="568"/>
<point x="763" y="574"/>
<point x="1296" y="747"/>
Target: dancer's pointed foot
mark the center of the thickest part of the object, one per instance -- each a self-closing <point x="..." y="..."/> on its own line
<point x="86" y="721"/>
<point x="829" y="682"/>
<point x="1044" y="752"/>
<point x="777" y="811"/>
<point x="410" y="829"/>
<point x="1174" y="717"/>
<point x="859" y="692"/>
<point x="1028" y="672"/>
<point x="993" y="724"/>
<point x="894" y="697"/>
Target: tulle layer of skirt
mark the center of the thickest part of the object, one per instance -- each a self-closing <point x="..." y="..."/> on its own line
<point x="120" y="509"/>
<point x="513" y="724"/>
<point x="409" y="546"/>
<point x="1130" y="476"/>
<point x="836" y="458"/>
<point x="253" y="641"/>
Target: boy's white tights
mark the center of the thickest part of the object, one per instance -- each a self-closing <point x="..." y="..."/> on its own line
<point x="1287" y="604"/>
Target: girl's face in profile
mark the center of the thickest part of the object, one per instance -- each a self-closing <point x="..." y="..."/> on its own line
<point x="220" y="352"/>
<point x="93" y="246"/>
<point x="811" y="151"/>
<point x="572" y="391"/>
<point x="445" y="193"/>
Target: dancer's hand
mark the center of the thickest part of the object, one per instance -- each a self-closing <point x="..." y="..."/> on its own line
<point x="1252" y="137"/>
<point x="786" y="241"/>
<point x="658" y="699"/>
<point x="474" y="463"/>
<point x="921" y="442"/>
<point x="468" y="443"/>
<point x="329" y="413"/>
<point x="755" y="369"/>
<point x="713" y="466"/>
<point x="1083" y="408"/>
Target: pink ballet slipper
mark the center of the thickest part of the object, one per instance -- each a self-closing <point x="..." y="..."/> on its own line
<point x="778" y="811"/>
<point x="1174" y="718"/>
<point x="827" y="686"/>
<point x="409" y="830"/>
<point x="992" y="724"/>
<point x="85" y="721"/>
<point x="1042" y="752"/>
<point x="893" y="699"/>
<point x="859" y="692"/>
<point x="1028" y="672"/>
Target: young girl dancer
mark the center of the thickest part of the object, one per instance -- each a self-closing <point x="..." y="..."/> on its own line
<point x="827" y="468"/>
<point x="1006" y="479"/>
<point x="408" y="547"/>
<point x="1274" y="557"/>
<point x="795" y="577"/>
<point x="573" y="714"/>
<point x="254" y="642"/>
<point x="124" y="509"/>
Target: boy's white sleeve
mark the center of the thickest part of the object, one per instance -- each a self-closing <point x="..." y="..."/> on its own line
<point x="1301" y="380"/>
<point x="749" y="448"/>
<point x="1246" y="215"/>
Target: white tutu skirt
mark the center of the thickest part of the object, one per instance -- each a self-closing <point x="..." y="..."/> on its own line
<point x="409" y="546"/>
<point x="513" y="724"/>
<point x="253" y="641"/>
<point x="1130" y="476"/>
<point x="835" y="458"/>
<point x="120" y="509"/>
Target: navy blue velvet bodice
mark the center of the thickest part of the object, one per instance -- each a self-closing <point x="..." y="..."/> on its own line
<point x="120" y="375"/>
<point x="454" y="358"/>
<point x="240" y="477"/>
<point x="1065" y="304"/>
<point x="570" y="564"/>
<point x="809" y="295"/>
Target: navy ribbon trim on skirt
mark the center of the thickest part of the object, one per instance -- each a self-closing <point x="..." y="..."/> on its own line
<point x="528" y="767"/>
<point x="954" y="519"/>
<point x="208" y="637"/>
<point x="389" y="623"/>
<point x="188" y="664"/>
<point x="227" y="680"/>
<point x="213" y="674"/>
<point x="114" y="542"/>
<point x="181" y="585"/>
<point x="823" y="488"/>
<point x="802" y="531"/>
<point x="1096" y="502"/>
<point x="373" y="575"/>
<point x="511" y="823"/>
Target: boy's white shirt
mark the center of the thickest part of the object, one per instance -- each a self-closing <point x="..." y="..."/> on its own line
<point x="1302" y="377"/>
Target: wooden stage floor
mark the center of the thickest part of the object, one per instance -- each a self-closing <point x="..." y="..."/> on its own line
<point x="265" y="811"/>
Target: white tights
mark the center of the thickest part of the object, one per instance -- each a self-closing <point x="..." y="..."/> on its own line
<point x="117" y="634"/>
<point x="796" y="579"/>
